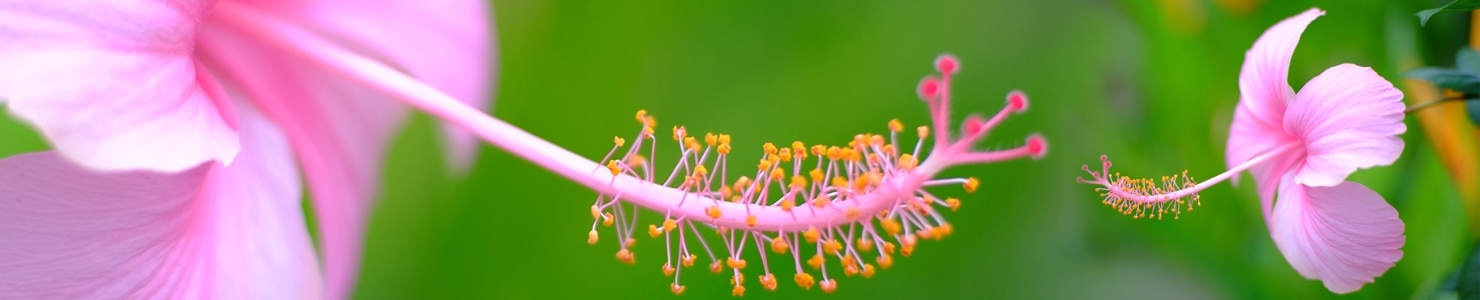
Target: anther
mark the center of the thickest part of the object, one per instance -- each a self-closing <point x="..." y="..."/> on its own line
<point x="829" y="285"/>
<point x="804" y="280"/>
<point x="865" y="244"/>
<point x="626" y="256"/>
<point x="923" y="132"/>
<point x="591" y="237"/>
<point x="868" y="271"/>
<point x="816" y="261"/>
<point x="715" y="267"/>
<point x="885" y="261"/>
<point x="895" y="126"/>
<point x="768" y="281"/>
<point x="619" y="141"/>
<point x="739" y="291"/>
<point x="688" y="260"/>
<point x="608" y="220"/>
<point x="668" y="270"/>
<point x="677" y="289"/>
<point x="750" y="220"/>
<point x="713" y="212"/>
<point x="654" y="231"/>
<point x="971" y="184"/>
<point x="811" y="235"/>
<point x="953" y="203"/>
<point x="778" y="245"/>
<point x="831" y="247"/>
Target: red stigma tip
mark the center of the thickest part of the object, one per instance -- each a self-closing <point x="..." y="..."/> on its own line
<point x="947" y="64"/>
<point x="929" y="88"/>
<point x="973" y="125"/>
<point x="1017" y="101"/>
<point x="1037" y="146"/>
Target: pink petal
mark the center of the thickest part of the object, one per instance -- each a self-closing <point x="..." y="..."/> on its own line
<point x="1250" y="136"/>
<point x="449" y="45"/>
<point x="338" y="128"/>
<point x="68" y="232"/>
<point x="1264" y="86"/>
<point x="210" y="232"/>
<point x="112" y="84"/>
<point x="261" y="234"/>
<point x="1349" y="118"/>
<point x="1344" y="235"/>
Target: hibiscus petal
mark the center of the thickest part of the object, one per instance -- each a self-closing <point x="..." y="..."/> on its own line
<point x="448" y="45"/>
<point x="112" y="84"/>
<point x="339" y="129"/>
<point x="1344" y="235"/>
<point x="232" y="232"/>
<point x="1349" y="118"/>
<point x="68" y="232"/>
<point x="1250" y="136"/>
<point x="262" y="242"/>
<point x="1263" y="82"/>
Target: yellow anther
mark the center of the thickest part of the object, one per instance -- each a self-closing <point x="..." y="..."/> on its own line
<point x="710" y="139"/>
<point x="595" y="212"/>
<point x="895" y="126"/>
<point x="861" y="184"/>
<point x="850" y="270"/>
<point x="619" y="141"/>
<point x="654" y="231"/>
<point x="739" y="291"/>
<point x="816" y="261"/>
<point x="738" y="264"/>
<point x="668" y="270"/>
<point x="788" y="202"/>
<point x="725" y="191"/>
<point x="907" y="162"/>
<point x="592" y="237"/>
<point x="768" y="281"/>
<point x="907" y="245"/>
<point x="888" y="248"/>
<point x="943" y="230"/>
<point x="811" y="235"/>
<point x="612" y="165"/>
<point x="641" y="115"/>
<point x="799" y="148"/>
<point x="608" y="220"/>
<point x="778" y="245"/>
<point x="626" y="256"/>
<point x="715" y="267"/>
<point x="785" y="156"/>
<point x="798" y="182"/>
<point x="888" y="150"/>
<point x="868" y="271"/>
<point x="713" y="212"/>
<point x="821" y="202"/>
<point x="724" y="139"/>
<point x="953" y="203"/>
<point x="750" y="220"/>
<point x="885" y="261"/>
<point x="742" y="184"/>
<point x="971" y="184"/>
<point x="690" y="143"/>
<point x="688" y="260"/>
<point x="891" y="226"/>
<point x="669" y="225"/>
<point x="851" y="212"/>
<point x="816" y="175"/>
<point x="854" y="155"/>
<point x="724" y="149"/>
<point x="859" y="140"/>
<point x="926" y="233"/>
<point x="923" y="132"/>
<point x="651" y="122"/>
<point x="833" y="152"/>
<point x="819" y="150"/>
<point x="700" y="171"/>
<point x="770" y="148"/>
<point x="630" y="242"/>
<point x="804" y="280"/>
<point x="636" y="161"/>
<point x="778" y="174"/>
<point x="765" y="164"/>
<point x="865" y="244"/>
<point x="876" y="140"/>
<point x="648" y="130"/>
<point x="839" y="182"/>
<point x="677" y="289"/>
<point x="828" y="285"/>
<point x="831" y="247"/>
<point x="678" y="133"/>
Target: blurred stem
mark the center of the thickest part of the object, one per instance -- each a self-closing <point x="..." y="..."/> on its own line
<point x="1417" y="107"/>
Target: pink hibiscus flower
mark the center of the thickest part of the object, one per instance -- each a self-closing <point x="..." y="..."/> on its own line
<point x="1300" y="147"/>
<point x="177" y="125"/>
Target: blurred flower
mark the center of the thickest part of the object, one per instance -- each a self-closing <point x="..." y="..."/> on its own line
<point x="182" y="188"/>
<point x="867" y="195"/>
<point x="1301" y="147"/>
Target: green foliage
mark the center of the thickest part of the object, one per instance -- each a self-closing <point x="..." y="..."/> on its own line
<point x="1456" y="6"/>
<point x="1468" y="283"/>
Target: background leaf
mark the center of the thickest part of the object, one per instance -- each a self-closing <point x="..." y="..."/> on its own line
<point x="1456" y="6"/>
<point x="1460" y="81"/>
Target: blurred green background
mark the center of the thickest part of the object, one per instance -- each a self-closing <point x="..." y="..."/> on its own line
<point x="1152" y="84"/>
